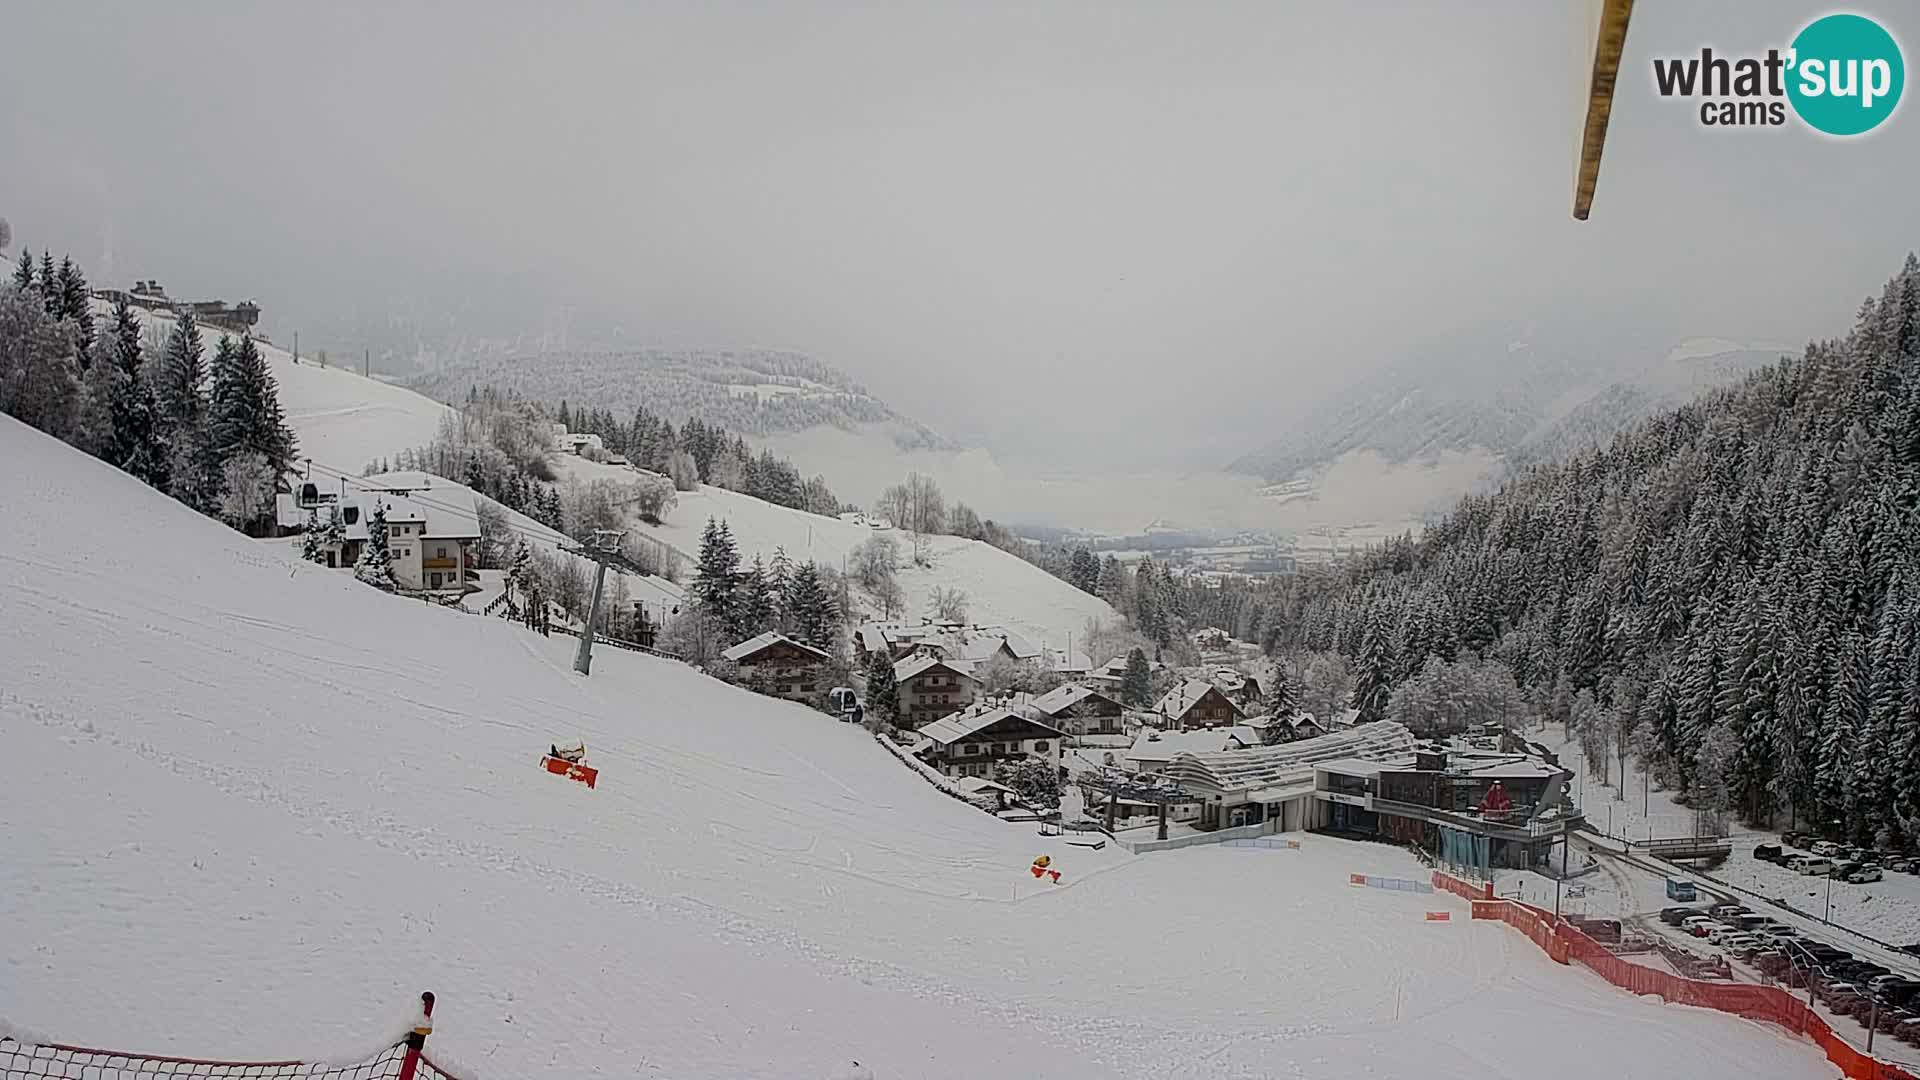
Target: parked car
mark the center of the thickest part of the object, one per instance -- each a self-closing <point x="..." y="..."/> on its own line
<point x="1674" y="916"/>
<point x="1795" y="861"/>
<point x="1768" y="852"/>
<point x="1697" y="925"/>
<point x="1901" y="865"/>
<point x="1836" y="994"/>
<point x="1723" y="934"/>
<point x="1793" y="839"/>
<point x="1902" y="993"/>
<point x="1826" y="848"/>
<point x="1818" y="867"/>
<point x="1864" y="874"/>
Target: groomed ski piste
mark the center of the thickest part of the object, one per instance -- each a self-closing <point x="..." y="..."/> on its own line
<point x="249" y="808"/>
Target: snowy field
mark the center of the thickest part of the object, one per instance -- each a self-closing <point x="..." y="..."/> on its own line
<point x="250" y="808"/>
<point x="1001" y="589"/>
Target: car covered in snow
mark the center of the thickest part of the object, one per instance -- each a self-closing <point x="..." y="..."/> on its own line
<point x="1861" y="875"/>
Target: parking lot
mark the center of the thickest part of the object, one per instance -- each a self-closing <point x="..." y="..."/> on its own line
<point x="1853" y="985"/>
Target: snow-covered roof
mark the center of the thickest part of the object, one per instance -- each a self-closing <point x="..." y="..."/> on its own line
<point x="445" y="510"/>
<point x="1065" y="696"/>
<point x="1289" y="763"/>
<point x="1185" y="696"/>
<point x="962" y="725"/>
<point x="1348" y="766"/>
<point x="916" y="665"/>
<point x="1511" y="769"/>
<point x="973" y="785"/>
<point x="761" y="641"/>
<point x="1249" y="735"/>
<point x="1155" y="745"/>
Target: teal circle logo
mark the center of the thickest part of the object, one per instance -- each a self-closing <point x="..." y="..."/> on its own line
<point x="1846" y="74"/>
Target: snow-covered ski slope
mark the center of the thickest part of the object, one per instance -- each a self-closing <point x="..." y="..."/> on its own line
<point x="249" y="807"/>
<point x="1002" y="589"/>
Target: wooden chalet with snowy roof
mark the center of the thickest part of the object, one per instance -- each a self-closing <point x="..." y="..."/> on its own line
<point x="1197" y="703"/>
<point x="1081" y="710"/>
<point x="930" y="688"/>
<point x="974" y="742"/>
<point x="783" y="667"/>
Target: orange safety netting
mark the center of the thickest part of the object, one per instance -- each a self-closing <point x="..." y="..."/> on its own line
<point x="1770" y="1004"/>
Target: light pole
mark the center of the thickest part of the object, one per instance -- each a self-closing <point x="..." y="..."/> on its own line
<point x="1564" y="844"/>
<point x="1828" y="917"/>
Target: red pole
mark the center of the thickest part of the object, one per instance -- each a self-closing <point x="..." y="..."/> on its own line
<point x="417" y="1038"/>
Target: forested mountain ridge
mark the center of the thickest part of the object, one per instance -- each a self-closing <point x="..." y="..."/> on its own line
<point x="1731" y="588"/>
<point x="1505" y="396"/>
<point x="751" y="391"/>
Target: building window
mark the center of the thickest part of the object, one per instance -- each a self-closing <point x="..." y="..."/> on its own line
<point x="1040" y="747"/>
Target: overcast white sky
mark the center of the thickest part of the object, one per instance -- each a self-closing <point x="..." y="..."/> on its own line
<point x="1074" y="230"/>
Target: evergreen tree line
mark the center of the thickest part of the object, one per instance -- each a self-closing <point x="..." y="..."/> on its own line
<point x="497" y="444"/>
<point x="209" y="433"/>
<point x="797" y="599"/>
<point x="706" y="453"/>
<point x="1730" y="591"/>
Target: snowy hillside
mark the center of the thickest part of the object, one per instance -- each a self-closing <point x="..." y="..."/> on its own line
<point x="1001" y="589"/>
<point x="250" y="807"/>
<point x="343" y="420"/>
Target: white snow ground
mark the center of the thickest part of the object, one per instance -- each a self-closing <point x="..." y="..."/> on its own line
<point x="250" y="808"/>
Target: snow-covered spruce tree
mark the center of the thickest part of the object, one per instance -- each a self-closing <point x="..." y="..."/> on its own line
<point x="753" y="604"/>
<point x="1373" y="679"/>
<point x="1283" y="698"/>
<point x="714" y="575"/>
<point x="519" y="569"/>
<point x="310" y="538"/>
<point x="376" y="558"/>
<point x="336" y="531"/>
<point x="49" y="283"/>
<point x="39" y="373"/>
<point x="76" y="308"/>
<point x="246" y="491"/>
<point x="812" y="609"/>
<point x="883" y="693"/>
<point x="1034" y="782"/>
<point x="23" y="271"/>
<point x="1135" y="680"/>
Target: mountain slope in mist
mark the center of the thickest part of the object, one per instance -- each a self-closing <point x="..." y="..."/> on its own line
<point x="756" y="392"/>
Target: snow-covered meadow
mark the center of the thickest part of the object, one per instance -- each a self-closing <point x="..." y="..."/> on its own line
<point x="1001" y="589"/>
<point x="249" y="807"/>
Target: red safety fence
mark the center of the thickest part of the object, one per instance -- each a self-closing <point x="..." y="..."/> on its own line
<point x="1769" y="1004"/>
<point x="1465" y="890"/>
<point x="404" y="1060"/>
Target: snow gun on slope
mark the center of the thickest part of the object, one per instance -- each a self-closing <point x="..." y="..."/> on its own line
<point x="568" y="761"/>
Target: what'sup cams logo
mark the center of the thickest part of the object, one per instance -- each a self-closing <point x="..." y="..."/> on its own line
<point x="1842" y="76"/>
